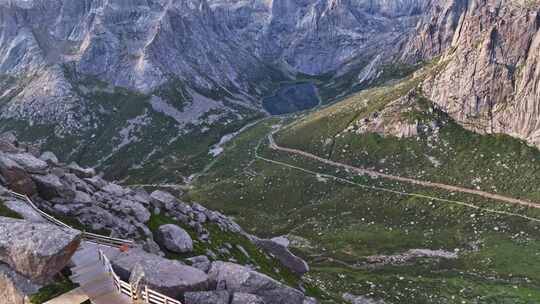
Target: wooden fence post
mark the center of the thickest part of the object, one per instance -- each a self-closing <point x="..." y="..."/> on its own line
<point x="131" y="295"/>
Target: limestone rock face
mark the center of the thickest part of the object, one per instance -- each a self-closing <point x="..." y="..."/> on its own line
<point x="237" y="278"/>
<point x="174" y="238"/>
<point x="166" y="276"/>
<point x="37" y="251"/>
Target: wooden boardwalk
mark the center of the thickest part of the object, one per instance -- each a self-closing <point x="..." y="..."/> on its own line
<point x="76" y="296"/>
<point x="91" y="275"/>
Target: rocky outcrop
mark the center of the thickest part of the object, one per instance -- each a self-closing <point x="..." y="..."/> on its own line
<point x="50" y="186"/>
<point x="15" y="177"/>
<point x="240" y="279"/>
<point x="107" y="207"/>
<point x="284" y="255"/>
<point x="37" y="251"/>
<point x="489" y="58"/>
<point x="174" y="239"/>
<point x="169" y="277"/>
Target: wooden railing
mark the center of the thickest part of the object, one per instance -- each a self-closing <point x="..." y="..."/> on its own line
<point x="148" y="295"/>
<point x="87" y="236"/>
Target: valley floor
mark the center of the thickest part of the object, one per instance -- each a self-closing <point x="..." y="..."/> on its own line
<point x="358" y="231"/>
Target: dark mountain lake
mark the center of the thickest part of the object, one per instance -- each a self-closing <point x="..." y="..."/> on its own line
<point x="292" y="98"/>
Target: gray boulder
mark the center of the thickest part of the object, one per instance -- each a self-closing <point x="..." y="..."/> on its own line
<point x="171" y="278"/>
<point x="8" y="143"/>
<point x="37" y="251"/>
<point x="96" y="181"/>
<point x="131" y="208"/>
<point x="49" y="158"/>
<point x="174" y="238"/>
<point x="282" y="253"/>
<point x="141" y="196"/>
<point x="246" y="298"/>
<point x="82" y="198"/>
<point x="15" y="177"/>
<point x="77" y="183"/>
<point x="237" y="278"/>
<point x="200" y="262"/>
<point x="29" y="163"/>
<point x="50" y="186"/>
<point x="207" y="297"/>
<point x="162" y="200"/>
<point x="25" y="211"/>
<point x="115" y="190"/>
<point x="81" y="172"/>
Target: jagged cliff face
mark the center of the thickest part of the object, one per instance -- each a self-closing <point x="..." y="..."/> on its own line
<point x="97" y="80"/>
<point x="215" y="45"/>
<point x="319" y="36"/>
<point x="490" y="80"/>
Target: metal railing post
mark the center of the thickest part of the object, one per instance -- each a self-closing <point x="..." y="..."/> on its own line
<point x="147" y="299"/>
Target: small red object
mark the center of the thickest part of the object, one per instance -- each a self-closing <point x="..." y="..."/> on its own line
<point x="124" y="248"/>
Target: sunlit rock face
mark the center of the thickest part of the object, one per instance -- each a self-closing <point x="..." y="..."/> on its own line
<point x="490" y="55"/>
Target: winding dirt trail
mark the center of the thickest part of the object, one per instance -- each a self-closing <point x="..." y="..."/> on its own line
<point x="506" y="199"/>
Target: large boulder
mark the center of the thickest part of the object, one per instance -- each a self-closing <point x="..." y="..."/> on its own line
<point x="15" y="177"/>
<point x="50" y="186"/>
<point x="131" y="208"/>
<point x="278" y="248"/>
<point x="96" y="181"/>
<point x="29" y="163"/>
<point x="15" y="288"/>
<point x="115" y="190"/>
<point x="8" y="143"/>
<point x="162" y="200"/>
<point x="24" y="210"/>
<point x="236" y="278"/>
<point x="246" y="298"/>
<point x="174" y="239"/>
<point x="81" y="172"/>
<point x="171" y="278"/>
<point x="35" y="250"/>
<point x="207" y="297"/>
<point x="49" y="157"/>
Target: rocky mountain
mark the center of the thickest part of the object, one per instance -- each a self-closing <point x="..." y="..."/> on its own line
<point x="490" y="52"/>
<point x="95" y="80"/>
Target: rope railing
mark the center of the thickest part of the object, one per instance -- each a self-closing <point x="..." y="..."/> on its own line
<point x="148" y="295"/>
<point x="87" y="236"/>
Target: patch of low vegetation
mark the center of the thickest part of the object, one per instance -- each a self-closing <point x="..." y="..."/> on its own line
<point x="61" y="285"/>
<point x="6" y="212"/>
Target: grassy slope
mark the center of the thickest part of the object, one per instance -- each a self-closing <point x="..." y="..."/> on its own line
<point x="222" y="239"/>
<point x="498" y="261"/>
